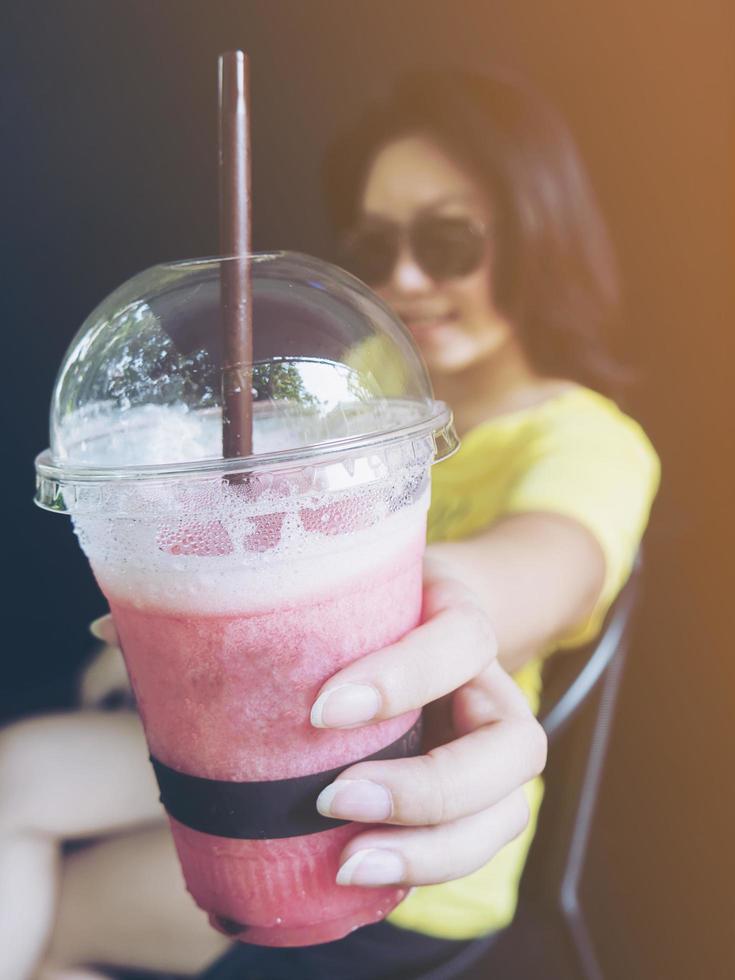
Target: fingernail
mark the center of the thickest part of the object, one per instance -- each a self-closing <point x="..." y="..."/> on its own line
<point x="355" y="799"/>
<point x="372" y="867"/>
<point x="349" y="704"/>
<point x="101" y="628"/>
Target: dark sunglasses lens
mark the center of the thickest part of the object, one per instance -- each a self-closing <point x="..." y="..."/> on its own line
<point x="448" y="247"/>
<point x="371" y="255"/>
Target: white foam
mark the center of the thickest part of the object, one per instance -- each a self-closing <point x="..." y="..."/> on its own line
<point x="237" y="583"/>
<point x="102" y="434"/>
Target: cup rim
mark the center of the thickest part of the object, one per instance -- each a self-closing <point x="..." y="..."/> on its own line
<point x="439" y="425"/>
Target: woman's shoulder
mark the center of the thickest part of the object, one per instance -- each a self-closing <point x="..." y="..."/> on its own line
<point x="581" y="412"/>
<point x="554" y="404"/>
<point x="565" y="419"/>
<point x="562" y="421"/>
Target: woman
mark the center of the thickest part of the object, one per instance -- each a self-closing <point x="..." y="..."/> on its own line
<point x="462" y="201"/>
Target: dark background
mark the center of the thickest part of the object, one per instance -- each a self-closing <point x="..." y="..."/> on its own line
<point x="108" y="112"/>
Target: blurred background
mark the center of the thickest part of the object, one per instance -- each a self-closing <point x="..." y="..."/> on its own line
<point x="108" y="113"/>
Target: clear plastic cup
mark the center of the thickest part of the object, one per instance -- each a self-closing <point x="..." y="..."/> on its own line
<point x="239" y="586"/>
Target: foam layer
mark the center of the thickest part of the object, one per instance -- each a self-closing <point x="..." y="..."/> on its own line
<point x="103" y="434"/>
<point x="309" y="564"/>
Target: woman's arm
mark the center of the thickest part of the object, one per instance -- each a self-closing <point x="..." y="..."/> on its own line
<point x="537" y="576"/>
<point x="447" y="812"/>
<point x="522" y="583"/>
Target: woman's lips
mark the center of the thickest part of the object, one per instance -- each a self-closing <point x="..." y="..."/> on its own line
<point x="426" y="324"/>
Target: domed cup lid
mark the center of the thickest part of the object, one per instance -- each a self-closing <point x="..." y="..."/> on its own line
<point x="139" y="393"/>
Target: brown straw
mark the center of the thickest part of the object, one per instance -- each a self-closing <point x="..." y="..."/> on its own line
<point x="235" y="239"/>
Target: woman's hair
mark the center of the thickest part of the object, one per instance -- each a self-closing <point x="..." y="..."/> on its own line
<point x="554" y="273"/>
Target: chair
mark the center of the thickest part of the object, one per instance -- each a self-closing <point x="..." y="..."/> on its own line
<point x="577" y="709"/>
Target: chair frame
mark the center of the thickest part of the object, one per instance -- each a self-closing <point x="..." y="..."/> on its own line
<point x="603" y="671"/>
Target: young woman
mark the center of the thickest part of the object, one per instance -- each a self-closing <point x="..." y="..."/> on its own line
<point x="462" y="202"/>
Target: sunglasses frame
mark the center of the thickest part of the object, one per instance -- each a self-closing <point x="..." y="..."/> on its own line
<point x="402" y="235"/>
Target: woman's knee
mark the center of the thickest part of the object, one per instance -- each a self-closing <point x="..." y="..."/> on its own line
<point x="20" y="752"/>
<point x="31" y="757"/>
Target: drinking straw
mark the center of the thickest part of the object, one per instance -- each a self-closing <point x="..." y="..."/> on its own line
<point x="235" y="240"/>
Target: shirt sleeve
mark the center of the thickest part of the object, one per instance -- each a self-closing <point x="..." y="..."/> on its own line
<point x="597" y="467"/>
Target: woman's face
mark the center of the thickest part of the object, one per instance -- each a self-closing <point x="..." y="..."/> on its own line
<point x="453" y="320"/>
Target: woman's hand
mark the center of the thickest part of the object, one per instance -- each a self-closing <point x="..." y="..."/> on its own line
<point x="450" y="810"/>
<point x="104" y="681"/>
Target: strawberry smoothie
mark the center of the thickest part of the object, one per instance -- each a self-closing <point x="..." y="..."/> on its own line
<point x="226" y="663"/>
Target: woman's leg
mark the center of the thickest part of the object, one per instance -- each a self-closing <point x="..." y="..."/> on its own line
<point x="61" y="776"/>
<point x="52" y="973"/>
<point x="123" y="903"/>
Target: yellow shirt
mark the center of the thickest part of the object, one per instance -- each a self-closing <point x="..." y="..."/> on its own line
<point x="576" y="454"/>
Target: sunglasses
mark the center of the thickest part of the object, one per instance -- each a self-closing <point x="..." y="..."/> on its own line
<point x="442" y="247"/>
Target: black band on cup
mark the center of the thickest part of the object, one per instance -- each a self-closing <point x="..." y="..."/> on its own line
<point x="261" y="810"/>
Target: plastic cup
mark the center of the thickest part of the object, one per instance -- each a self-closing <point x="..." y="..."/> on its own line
<point x="238" y="587"/>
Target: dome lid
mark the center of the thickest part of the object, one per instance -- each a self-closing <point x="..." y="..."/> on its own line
<point x="139" y="393"/>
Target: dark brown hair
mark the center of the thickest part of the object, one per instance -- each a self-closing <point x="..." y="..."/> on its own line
<point x="554" y="274"/>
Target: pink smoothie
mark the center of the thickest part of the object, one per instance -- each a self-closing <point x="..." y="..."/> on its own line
<point x="225" y="693"/>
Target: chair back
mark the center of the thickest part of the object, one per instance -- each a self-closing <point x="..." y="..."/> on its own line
<point x="570" y="678"/>
<point x="577" y="719"/>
